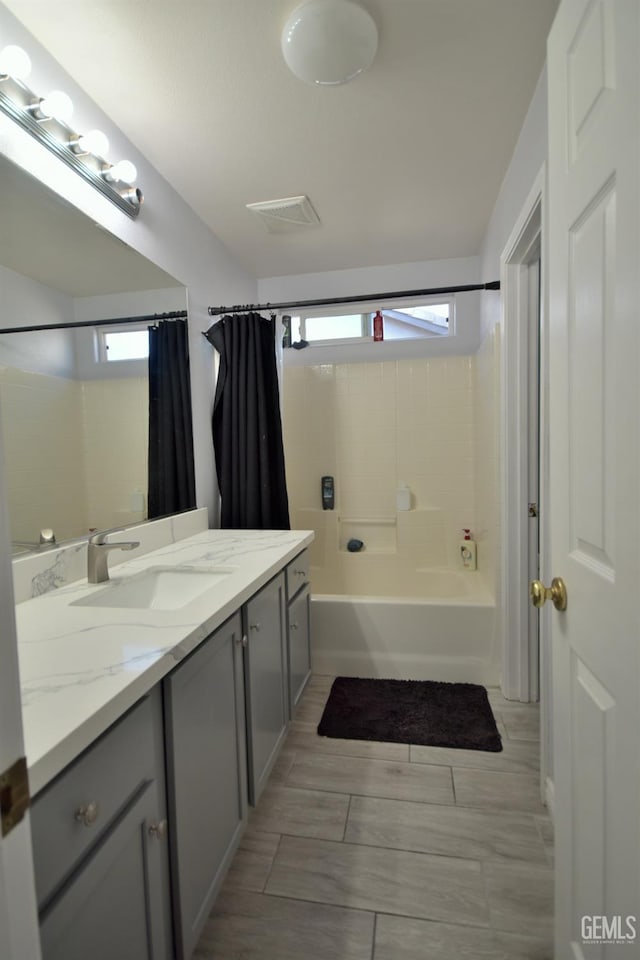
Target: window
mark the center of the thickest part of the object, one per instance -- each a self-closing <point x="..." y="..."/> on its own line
<point x="118" y="343"/>
<point x="333" y="328"/>
<point x="401" y="322"/>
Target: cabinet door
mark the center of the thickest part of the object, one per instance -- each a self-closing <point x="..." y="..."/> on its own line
<point x="206" y="767"/>
<point x="299" y="646"/>
<point x="266" y="682"/>
<point x="115" y="905"/>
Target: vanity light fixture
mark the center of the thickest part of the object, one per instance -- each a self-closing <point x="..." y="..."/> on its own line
<point x="14" y="62"/>
<point x="47" y="120"/>
<point x="55" y="106"/>
<point x="124" y="172"/>
<point x="95" y="142"/>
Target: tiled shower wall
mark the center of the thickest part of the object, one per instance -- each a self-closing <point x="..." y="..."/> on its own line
<point x="42" y="429"/>
<point x="487" y="456"/>
<point x="372" y="425"/>
<point x="75" y="451"/>
<point x="115" y="431"/>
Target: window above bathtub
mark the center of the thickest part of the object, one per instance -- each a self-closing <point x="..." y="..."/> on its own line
<point x="122" y="343"/>
<point x="436" y="326"/>
<point x="418" y="320"/>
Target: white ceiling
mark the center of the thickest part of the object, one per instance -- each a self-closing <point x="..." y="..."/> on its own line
<point x="402" y="164"/>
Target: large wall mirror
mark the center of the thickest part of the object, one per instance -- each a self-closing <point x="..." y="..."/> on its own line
<point x="74" y="422"/>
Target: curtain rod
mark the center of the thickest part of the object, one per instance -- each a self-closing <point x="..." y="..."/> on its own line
<point x="149" y="318"/>
<point x="334" y="301"/>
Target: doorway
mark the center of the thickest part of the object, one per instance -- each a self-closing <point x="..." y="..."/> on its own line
<point x="523" y="454"/>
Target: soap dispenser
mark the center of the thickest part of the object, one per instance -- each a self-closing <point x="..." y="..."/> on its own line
<point x="468" y="551"/>
<point x="403" y="496"/>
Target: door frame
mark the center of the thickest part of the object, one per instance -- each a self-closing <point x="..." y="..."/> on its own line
<point x="518" y="682"/>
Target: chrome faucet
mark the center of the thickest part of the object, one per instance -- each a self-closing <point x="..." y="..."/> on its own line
<point x="97" y="550"/>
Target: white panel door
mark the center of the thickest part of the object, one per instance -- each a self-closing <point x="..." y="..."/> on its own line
<point x="594" y="315"/>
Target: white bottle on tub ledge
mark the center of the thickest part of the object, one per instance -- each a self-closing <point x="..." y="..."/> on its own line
<point x="403" y="496"/>
<point x="468" y="551"/>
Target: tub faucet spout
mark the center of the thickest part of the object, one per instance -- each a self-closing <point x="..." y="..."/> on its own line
<point x="97" y="550"/>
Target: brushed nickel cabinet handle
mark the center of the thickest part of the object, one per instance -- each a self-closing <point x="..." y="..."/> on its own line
<point x="158" y="830"/>
<point x="88" y="813"/>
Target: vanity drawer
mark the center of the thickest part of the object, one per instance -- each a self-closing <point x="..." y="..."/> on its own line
<point x="297" y="574"/>
<point x="73" y="812"/>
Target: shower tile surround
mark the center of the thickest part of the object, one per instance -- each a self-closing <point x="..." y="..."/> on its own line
<point x="334" y="864"/>
<point x="65" y="442"/>
<point x="372" y="425"/>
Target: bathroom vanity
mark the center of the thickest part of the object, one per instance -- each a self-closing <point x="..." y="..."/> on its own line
<point x="150" y="729"/>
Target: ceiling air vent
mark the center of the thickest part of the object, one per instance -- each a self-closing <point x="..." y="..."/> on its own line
<point x="287" y="215"/>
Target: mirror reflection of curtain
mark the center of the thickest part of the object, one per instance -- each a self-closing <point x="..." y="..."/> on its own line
<point x="171" y="468"/>
<point x="247" y="429"/>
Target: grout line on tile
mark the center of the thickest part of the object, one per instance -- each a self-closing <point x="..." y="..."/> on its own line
<point x="373" y="938"/>
<point x="372" y="796"/>
<point x="332" y="903"/>
<point x="346" y="819"/>
<point x="273" y="860"/>
<point x="368" y="910"/>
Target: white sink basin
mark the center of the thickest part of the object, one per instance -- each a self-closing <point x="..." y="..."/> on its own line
<point x="158" y="588"/>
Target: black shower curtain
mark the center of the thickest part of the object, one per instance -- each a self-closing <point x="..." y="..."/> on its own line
<point x="171" y="470"/>
<point x="247" y="430"/>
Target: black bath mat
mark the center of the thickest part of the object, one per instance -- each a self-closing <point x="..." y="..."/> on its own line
<point x="411" y="711"/>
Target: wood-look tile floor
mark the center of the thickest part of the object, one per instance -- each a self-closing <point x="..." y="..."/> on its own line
<point x="381" y="851"/>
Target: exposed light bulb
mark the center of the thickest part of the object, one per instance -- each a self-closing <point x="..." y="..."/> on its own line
<point x="14" y="62"/>
<point x="57" y="105"/>
<point x="96" y="142"/>
<point x="124" y="171"/>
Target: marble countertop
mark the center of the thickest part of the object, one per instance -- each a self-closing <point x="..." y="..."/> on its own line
<point x="82" y="667"/>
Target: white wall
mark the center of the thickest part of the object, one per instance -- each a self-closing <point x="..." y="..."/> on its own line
<point x="24" y="302"/>
<point x="168" y="232"/>
<point x="529" y="155"/>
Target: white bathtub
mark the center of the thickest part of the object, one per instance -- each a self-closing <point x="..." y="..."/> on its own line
<point x="371" y="619"/>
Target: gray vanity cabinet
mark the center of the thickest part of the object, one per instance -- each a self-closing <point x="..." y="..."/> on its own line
<point x="299" y="641"/>
<point x="298" y="626"/>
<point x="265" y="681"/>
<point x="100" y="848"/>
<point x="115" y="907"/>
<point x="206" y="774"/>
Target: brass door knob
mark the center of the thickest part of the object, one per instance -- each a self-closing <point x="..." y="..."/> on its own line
<point x="557" y="593"/>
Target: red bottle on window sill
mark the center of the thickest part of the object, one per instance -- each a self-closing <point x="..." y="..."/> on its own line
<point x="378" y="328"/>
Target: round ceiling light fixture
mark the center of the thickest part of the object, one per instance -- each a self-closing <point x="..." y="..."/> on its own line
<point x="329" y="41"/>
